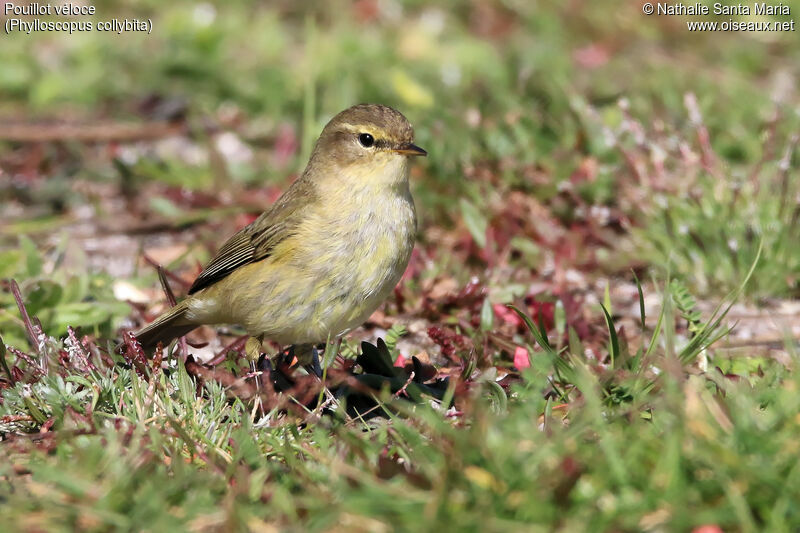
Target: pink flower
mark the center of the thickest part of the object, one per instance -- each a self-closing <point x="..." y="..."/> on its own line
<point x="521" y="358"/>
<point x="507" y="315"/>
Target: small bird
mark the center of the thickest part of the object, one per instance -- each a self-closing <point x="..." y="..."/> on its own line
<point x="326" y="254"/>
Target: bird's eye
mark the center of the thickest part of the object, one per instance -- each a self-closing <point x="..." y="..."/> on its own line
<point x="366" y="140"/>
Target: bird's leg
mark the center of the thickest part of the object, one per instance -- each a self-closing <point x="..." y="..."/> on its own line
<point x="252" y="350"/>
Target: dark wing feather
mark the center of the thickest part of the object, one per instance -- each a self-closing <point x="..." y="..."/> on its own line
<point x="257" y="240"/>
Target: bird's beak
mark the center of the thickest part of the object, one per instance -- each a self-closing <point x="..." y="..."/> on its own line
<point x="410" y="149"/>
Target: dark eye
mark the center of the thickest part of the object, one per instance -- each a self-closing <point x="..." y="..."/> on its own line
<point x="366" y="140"/>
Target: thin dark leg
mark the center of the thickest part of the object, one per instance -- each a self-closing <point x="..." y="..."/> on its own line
<point x="314" y="367"/>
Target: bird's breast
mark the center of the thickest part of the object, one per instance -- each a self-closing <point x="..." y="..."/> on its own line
<point x="361" y="249"/>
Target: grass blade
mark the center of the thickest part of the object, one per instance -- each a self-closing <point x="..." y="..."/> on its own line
<point x="612" y="333"/>
<point x="641" y="298"/>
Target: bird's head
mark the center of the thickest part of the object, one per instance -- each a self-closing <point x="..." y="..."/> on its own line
<point x="367" y="142"/>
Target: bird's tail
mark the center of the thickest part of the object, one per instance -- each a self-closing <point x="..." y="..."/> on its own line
<point x="169" y="326"/>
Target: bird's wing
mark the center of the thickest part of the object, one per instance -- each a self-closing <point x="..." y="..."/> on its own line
<point x="257" y="240"/>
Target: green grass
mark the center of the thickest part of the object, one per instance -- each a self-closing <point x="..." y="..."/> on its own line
<point x="570" y="143"/>
<point x="126" y="452"/>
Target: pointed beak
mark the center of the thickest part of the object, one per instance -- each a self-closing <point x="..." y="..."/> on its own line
<point x="410" y="149"/>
